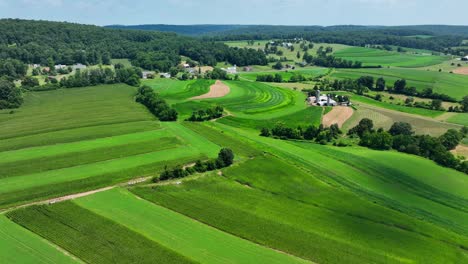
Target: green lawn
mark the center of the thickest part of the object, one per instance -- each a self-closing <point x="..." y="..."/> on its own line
<point x="375" y="57"/>
<point x="179" y="233"/>
<point x="453" y="85"/>
<point x="18" y="245"/>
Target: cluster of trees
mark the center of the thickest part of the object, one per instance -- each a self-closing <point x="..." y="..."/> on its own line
<point x="330" y="61"/>
<point x="12" y="68"/>
<point x="278" y="78"/>
<point x="319" y="134"/>
<point x="401" y="138"/>
<point x="225" y="159"/>
<point x="155" y="104"/>
<point x="205" y="115"/>
<point x="10" y="95"/>
<point x="92" y="77"/>
<point x="39" y="42"/>
<point x="217" y="74"/>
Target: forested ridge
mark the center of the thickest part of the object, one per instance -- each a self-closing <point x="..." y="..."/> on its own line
<point x="67" y="43"/>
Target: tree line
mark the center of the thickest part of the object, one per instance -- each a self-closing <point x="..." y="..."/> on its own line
<point x="225" y="159"/>
<point x="155" y="104"/>
<point x="318" y="134"/>
<point x="401" y="138"/>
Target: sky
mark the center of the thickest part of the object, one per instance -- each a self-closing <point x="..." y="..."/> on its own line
<point x="270" y="12"/>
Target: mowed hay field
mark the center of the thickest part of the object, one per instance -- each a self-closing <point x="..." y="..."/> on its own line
<point x="376" y="57"/>
<point x="79" y="139"/>
<point x="453" y="85"/>
<point x="302" y="211"/>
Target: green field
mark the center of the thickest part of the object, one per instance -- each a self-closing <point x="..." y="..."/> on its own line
<point x="92" y="238"/>
<point x="89" y="138"/>
<point x="441" y="82"/>
<point x="18" y="245"/>
<point x="281" y="202"/>
<point x="195" y="240"/>
<point x="306" y="72"/>
<point x="375" y="57"/>
<point x="305" y="216"/>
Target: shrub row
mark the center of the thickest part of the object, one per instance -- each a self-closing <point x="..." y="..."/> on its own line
<point x="205" y="115"/>
<point x="225" y="159"/>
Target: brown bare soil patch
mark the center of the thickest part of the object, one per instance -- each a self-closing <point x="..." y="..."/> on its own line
<point x="461" y="150"/>
<point x="462" y="70"/>
<point x="219" y="89"/>
<point x="338" y="115"/>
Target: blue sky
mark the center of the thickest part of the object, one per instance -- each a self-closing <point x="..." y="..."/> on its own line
<point x="284" y="12"/>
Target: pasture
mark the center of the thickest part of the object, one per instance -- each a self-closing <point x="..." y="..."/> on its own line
<point x="376" y="57"/>
<point x="441" y="82"/>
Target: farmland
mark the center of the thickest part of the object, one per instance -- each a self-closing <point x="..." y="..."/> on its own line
<point x="375" y="57"/>
<point x="441" y="82"/>
<point x="96" y="175"/>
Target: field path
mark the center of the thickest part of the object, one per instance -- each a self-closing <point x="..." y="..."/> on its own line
<point x="338" y="115"/>
<point x="219" y="89"/>
<point x="462" y="70"/>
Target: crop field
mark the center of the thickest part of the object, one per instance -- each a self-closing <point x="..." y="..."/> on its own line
<point x="75" y="148"/>
<point x="91" y="237"/>
<point x="385" y="118"/>
<point x="302" y="215"/>
<point x="179" y="233"/>
<point x="280" y="202"/>
<point x="441" y="82"/>
<point x="22" y="246"/>
<point x="375" y="57"/>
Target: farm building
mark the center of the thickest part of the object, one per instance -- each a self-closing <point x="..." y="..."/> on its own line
<point x="186" y="65"/>
<point x="165" y="75"/>
<point x="147" y="75"/>
<point x="79" y="66"/>
<point x="248" y="69"/>
<point x="231" y="70"/>
<point x="60" y="67"/>
<point x="322" y="100"/>
<point x="464" y="58"/>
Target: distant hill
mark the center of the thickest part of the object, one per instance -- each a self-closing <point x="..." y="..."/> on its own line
<point x="207" y="30"/>
<point x="189" y="30"/>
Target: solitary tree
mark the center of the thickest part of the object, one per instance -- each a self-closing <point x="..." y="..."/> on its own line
<point x="226" y="156"/>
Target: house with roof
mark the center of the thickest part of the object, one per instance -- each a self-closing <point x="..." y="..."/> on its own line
<point x="79" y="66"/>
<point x="464" y="58"/>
